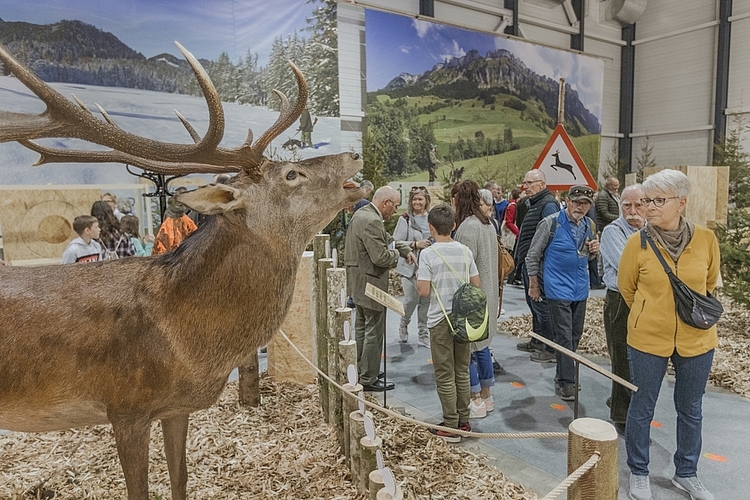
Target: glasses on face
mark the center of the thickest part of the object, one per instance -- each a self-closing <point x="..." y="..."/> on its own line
<point x="658" y="202"/>
<point x="579" y="191"/>
<point x="580" y="202"/>
<point x="529" y="183"/>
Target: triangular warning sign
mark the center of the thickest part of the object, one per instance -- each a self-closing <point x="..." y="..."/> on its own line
<point x="561" y="163"/>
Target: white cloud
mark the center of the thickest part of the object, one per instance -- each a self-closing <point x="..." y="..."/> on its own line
<point x="422" y="27"/>
<point x="404" y="49"/>
<point x="454" y="51"/>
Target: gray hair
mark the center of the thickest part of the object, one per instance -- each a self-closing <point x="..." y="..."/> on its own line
<point x="630" y="189"/>
<point x="668" y="181"/>
<point x="366" y="185"/>
<point x="486" y="196"/>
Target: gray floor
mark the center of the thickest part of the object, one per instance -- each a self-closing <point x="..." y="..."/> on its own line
<point x="525" y="401"/>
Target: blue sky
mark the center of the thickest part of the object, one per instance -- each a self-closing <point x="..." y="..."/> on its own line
<point x="205" y="27"/>
<point x="400" y="44"/>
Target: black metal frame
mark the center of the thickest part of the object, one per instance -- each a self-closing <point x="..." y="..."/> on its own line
<point x="427" y="8"/>
<point x="512" y="29"/>
<point x="161" y="182"/>
<point x="627" y="96"/>
<point x="576" y="41"/>
<point x="722" y="74"/>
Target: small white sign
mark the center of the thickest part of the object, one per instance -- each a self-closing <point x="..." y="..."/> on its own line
<point x="388" y="481"/>
<point x="379" y="459"/>
<point x="351" y="375"/>
<point x="347" y="335"/>
<point x="335" y="258"/>
<point x="369" y="428"/>
<point x="361" y="404"/>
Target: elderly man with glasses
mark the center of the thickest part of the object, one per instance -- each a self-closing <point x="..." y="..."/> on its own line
<point x="560" y="251"/>
<point x="539" y="203"/>
<point x="367" y="258"/>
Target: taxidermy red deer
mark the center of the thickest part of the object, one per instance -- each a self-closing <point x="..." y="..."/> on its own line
<point x="135" y="340"/>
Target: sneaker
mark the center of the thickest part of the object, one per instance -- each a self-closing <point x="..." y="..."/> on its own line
<point x="477" y="410"/>
<point x="424" y="342"/>
<point x="466" y="426"/>
<point x="640" y="487"/>
<point x="693" y="486"/>
<point x="568" y="392"/>
<point x="497" y="369"/>
<point x="446" y="436"/>
<point x="529" y="346"/>
<point x="544" y="357"/>
<point x="489" y="403"/>
<point x="403" y="334"/>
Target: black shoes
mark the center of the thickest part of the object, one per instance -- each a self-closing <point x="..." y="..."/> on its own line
<point x="378" y="386"/>
<point x="620" y="428"/>
<point x="529" y="346"/>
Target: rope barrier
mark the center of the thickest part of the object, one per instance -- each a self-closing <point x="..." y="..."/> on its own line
<point x="484" y="435"/>
<point x="575" y="476"/>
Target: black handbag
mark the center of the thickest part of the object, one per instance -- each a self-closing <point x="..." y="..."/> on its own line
<point x="693" y="308"/>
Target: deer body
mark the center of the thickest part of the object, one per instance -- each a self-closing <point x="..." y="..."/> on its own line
<point x="135" y="340"/>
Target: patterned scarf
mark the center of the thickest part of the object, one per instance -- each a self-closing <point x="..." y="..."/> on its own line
<point x="674" y="242"/>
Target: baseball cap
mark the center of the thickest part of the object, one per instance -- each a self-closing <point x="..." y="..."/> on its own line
<point x="581" y="192"/>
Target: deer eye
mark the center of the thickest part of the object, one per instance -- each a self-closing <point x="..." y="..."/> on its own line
<point x="291" y="175"/>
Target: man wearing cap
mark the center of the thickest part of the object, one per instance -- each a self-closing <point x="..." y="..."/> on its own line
<point x="559" y="253"/>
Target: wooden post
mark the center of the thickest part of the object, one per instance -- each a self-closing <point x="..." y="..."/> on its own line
<point x="356" y="432"/>
<point x="349" y="405"/>
<point x="587" y="435"/>
<point x="336" y="286"/>
<point x="561" y="102"/>
<point x="249" y="382"/>
<point x="384" y="495"/>
<point x="376" y="484"/>
<point x="321" y="332"/>
<point x="368" y="461"/>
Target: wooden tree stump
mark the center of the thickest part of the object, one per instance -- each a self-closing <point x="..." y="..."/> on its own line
<point x="384" y="495"/>
<point x="249" y="382"/>
<point x="321" y="337"/>
<point x="376" y="484"/>
<point x="368" y="461"/>
<point x="338" y="314"/>
<point x="356" y="432"/>
<point x="349" y="405"/>
<point x="586" y="436"/>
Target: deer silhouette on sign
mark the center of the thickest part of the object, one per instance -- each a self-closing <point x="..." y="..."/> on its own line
<point x="562" y="165"/>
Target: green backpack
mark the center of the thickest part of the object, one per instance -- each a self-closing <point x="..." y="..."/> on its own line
<point x="469" y="313"/>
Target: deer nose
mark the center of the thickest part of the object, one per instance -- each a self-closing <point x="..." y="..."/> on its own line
<point x="355" y="156"/>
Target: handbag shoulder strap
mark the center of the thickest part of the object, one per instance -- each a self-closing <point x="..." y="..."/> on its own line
<point x="645" y="238"/>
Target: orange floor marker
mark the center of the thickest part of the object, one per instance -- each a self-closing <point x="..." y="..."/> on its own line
<point x="656" y="424"/>
<point x="517" y="385"/>
<point x="558" y="407"/>
<point x="717" y="458"/>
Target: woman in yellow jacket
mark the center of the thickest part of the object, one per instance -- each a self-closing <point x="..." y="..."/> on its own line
<point x="656" y="334"/>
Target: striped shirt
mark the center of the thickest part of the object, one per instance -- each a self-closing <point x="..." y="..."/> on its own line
<point x="432" y="268"/>
<point x="611" y="246"/>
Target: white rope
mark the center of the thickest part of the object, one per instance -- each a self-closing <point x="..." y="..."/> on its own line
<point x="484" y="435"/>
<point x="575" y="476"/>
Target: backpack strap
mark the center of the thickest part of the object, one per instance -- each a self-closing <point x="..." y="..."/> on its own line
<point x="442" y="307"/>
<point x="437" y="295"/>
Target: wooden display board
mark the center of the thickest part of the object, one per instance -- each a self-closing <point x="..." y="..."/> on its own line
<point x="709" y="193"/>
<point x="37" y="221"/>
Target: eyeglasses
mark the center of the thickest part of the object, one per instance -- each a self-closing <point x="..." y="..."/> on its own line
<point x="658" y="202"/>
<point x="529" y="183"/>
<point x="577" y="191"/>
<point x="415" y="189"/>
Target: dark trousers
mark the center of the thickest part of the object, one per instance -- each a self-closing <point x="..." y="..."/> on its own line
<point x="616" y="328"/>
<point x="595" y="280"/>
<point x="369" y="328"/>
<point x="541" y="323"/>
<point x="567" y="320"/>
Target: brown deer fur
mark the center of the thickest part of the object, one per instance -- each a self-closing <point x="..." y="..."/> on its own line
<point x="135" y="340"/>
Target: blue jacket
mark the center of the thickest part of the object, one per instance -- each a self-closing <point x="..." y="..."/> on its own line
<point x="565" y="266"/>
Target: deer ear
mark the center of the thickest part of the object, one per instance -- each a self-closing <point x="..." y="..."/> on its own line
<point x="212" y="199"/>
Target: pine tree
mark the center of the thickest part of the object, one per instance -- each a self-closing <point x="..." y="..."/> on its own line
<point x="645" y="159"/>
<point x="321" y="60"/>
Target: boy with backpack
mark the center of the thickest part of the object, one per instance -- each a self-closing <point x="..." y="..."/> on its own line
<point x="443" y="268"/>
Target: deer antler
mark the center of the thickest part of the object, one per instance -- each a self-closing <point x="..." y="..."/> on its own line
<point x="63" y="118"/>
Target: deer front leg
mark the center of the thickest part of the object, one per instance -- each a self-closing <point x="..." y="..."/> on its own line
<point x="132" y="437"/>
<point x="175" y="435"/>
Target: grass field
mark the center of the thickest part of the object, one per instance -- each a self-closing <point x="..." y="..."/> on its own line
<point x="508" y="168"/>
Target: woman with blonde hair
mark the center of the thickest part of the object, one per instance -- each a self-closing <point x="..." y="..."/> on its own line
<point x="656" y="333"/>
<point x="412" y="229"/>
<point x="474" y="229"/>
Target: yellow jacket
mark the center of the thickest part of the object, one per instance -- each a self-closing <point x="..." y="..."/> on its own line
<point x="653" y="324"/>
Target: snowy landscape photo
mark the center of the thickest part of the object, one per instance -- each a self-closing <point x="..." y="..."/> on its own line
<point x="122" y="56"/>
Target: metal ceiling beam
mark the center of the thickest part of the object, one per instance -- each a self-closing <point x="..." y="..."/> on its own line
<point x="627" y="94"/>
<point x="512" y="29"/>
<point x="427" y="8"/>
<point x="576" y="41"/>
<point x="722" y="73"/>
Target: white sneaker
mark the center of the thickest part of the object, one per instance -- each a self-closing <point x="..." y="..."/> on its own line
<point x="403" y="333"/>
<point x="477" y="410"/>
<point x="424" y="342"/>
<point x="640" y="487"/>
<point x="489" y="403"/>
<point x="693" y="486"/>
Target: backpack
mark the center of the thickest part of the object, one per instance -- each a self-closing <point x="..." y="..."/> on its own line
<point x="112" y="254"/>
<point x="469" y="314"/>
